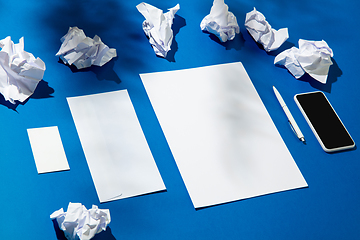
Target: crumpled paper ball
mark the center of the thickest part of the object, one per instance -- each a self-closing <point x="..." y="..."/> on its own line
<point x="157" y="27"/>
<point x="263" y="33"/>
<point x="82" y="51"/>
<point x="80" y="223"/>
<point x="220" y="22"/>
<point x="20" y="71"/>
<point x="312" y="57"/>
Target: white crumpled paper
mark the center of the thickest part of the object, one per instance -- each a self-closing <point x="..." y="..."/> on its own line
<point x="20" y="71"/>
<point x="220" y="22"/>
<point x="262" y="32"/>
<point x="157" y="27"/>
<point x="80" y="223"/>
<point x="83" y="51"/>
<point x="312" y="57"/>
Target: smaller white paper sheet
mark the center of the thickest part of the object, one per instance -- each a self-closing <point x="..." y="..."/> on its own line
<point x="47" y="149"/>
<point x="114" y="145"/>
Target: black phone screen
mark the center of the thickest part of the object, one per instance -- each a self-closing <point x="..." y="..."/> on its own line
<point x="324" y="120"/>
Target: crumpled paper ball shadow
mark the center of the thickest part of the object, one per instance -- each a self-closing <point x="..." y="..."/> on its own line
<point x="43" y="90"/>
<point x="334" y="73"/>
<point x="104" y="235"/>
<point x="106" y="72"/>
<point x="237" y="43"/>
<point x="178" y="23"/>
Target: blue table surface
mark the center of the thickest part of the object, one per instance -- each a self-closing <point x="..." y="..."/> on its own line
<point x="327" y="209"/>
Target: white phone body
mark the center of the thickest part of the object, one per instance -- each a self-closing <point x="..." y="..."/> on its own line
<point x="324" y="122"/>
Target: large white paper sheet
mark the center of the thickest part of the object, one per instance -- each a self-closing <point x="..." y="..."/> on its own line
<point x="47" y="149"/>
<point x="222" y="138"/>
<point x="114" y="145"/>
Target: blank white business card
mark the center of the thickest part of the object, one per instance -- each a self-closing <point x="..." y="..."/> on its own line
<point x="47" y="149"/>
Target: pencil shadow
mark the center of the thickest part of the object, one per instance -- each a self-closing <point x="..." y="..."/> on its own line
<point x="103" y="235"/>
<point x="42" y="90"/>
<point x="106" y="72"/>
<point x="178" y="23"/>
<point x="237" y="43"/>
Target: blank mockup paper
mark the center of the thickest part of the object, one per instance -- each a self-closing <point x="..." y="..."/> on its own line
<point x="222" y="138"/>
<point x="47" y="149"/>
<point x="114" y="145"/>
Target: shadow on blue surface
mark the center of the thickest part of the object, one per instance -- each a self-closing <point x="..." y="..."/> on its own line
<point x="42" y="91"/>
<point x="237" y="43"/>
<point x="334" y="73"/>
<point x="115" y="22"/>
<point x="178" y="23"/>
<point x="286" y="45"/>
<point x="92" y="16"/>
<point x="106" y="72"/>
<point x="104" y="235"/>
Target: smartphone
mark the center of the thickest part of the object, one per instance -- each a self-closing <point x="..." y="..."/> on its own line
<point x="324" y="122"/>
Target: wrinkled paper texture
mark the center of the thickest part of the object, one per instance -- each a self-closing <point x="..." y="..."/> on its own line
<point x="263" y="33"/>
<point x="20" y="71"/>
<point x="82" y="51"/>
<point x="220" y="22"/>
<point x="312" y="57"/>
<point x="80" y="223"/>
<point x="157" y="27"/>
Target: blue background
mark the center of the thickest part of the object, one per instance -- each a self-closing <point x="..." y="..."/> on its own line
<point x="327" y="209"/>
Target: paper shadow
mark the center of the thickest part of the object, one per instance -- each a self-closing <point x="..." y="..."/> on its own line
<point x="286" y="45"/>
<point x="247" y="199"/>
<point x="8" y="104"/>
<point x="334" y="73"/>
<point x="41" y="91"/>
<point x="106" y="72"/>
<point x="237" y="43"/>
<point x="59" y="233"/>
<point x="103" y="235"/>
<point x="178" y="23"/>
